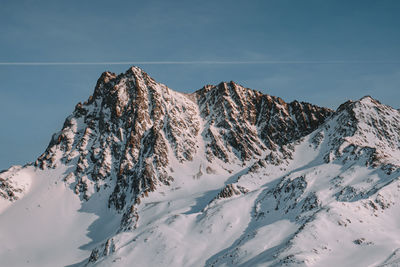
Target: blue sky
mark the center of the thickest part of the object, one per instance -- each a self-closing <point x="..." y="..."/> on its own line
<point x="362" y="37"/>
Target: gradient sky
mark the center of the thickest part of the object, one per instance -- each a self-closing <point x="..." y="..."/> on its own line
<point x="361" y="37"/>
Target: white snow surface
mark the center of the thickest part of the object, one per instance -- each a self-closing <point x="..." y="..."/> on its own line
<point x="49" y="225"/>
<point x="334" y="203"/>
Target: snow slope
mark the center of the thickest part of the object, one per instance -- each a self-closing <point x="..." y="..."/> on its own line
<point x="226" y="176"/>
<point x="49" y="225"/>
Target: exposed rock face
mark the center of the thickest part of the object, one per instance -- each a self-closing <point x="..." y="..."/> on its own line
<point x="247" y="122"/>
<point x="122" y="140"/>
<point x="243" y="177"/>
<point x="352" y="176"/>
<point x="125" y="132"/>
<point x="363" y="129"/>
<point x="232" y="190"/>
<point x="10" y="189"/>
<point x="124" y="135"/>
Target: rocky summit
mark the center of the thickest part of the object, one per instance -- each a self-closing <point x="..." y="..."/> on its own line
<point x="142" y="175"/>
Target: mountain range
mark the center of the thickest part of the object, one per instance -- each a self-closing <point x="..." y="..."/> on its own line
<point x="142" y="175"/>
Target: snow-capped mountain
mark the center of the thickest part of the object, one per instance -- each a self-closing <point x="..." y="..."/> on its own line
<point x="226" y="176"/>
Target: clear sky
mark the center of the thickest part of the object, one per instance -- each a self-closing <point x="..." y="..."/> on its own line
<point x="325" y="52"/>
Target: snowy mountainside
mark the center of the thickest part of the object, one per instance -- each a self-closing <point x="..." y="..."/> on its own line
<point x="11" y="187"/>
<point x="338" y="208"/>
<point x="128" y="134"/>
<point x="225" y="176"/>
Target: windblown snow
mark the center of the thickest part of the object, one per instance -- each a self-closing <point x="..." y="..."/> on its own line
<point x="141" y="175"/>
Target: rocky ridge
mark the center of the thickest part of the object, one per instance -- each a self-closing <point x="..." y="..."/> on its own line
<point x="243" y="177"/>
<point x="124" y="135"/>
<point x="353" y="174"/>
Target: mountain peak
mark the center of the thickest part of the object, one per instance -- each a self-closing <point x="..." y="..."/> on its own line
<point x="134" y="127"/>
<point x="366" y="125"/>
<point x="367" y="98"/>
<point x="222" y="88"/>
<point x="227" y="166"/>
<point x="110" y="82"/>
<point x="135" y="71"/>
<point x="369" y="101"/>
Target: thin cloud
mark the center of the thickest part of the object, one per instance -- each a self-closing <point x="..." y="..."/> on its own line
<point x="198" y="62"/>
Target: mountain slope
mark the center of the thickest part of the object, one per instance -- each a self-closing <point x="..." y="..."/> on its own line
<point x="338" y="209"/>
<point x="141" y="174"/>
<point x="127" y="136"/>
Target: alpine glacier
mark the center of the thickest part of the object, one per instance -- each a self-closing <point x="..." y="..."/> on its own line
<point x="141" y="175"/>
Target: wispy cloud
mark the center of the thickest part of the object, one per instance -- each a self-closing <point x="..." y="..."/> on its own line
<point x="200" y="62"/>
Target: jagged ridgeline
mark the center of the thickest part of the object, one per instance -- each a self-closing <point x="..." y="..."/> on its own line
<point x="125" y="135"/>
<point x="142" y="175"/>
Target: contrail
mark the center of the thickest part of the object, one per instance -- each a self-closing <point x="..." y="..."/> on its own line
<point x="198" y="62"/>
